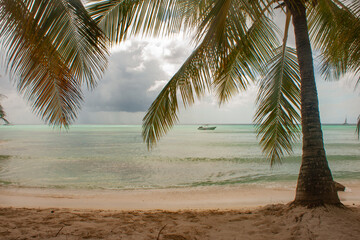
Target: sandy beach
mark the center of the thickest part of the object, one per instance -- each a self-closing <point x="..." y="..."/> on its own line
<point x="238" y="212"/>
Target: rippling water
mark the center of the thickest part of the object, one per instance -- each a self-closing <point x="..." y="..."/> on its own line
<point x="115" y="157"/>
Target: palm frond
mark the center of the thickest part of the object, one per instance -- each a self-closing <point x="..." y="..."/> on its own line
<point x="222" y="15"/>
<point x="334" y="30"/>
<point x="214" y="22"/>
<point x="79" y="41"/>
<point x="52" y="47"/>
<point x="278" y="101"/>
<point x="120" y="19"/>
<point x="355" y="7"/>
<point x="191" y="80"/>
<point x="247" y="59"/>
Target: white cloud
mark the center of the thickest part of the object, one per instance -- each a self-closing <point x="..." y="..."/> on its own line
<point x="338" y="100"/>
<point x="139" y="68"/>
<point x="158" y="85"/>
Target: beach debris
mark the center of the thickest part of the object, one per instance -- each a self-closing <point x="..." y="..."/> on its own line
<point x="59" y="231"/>
<point x="158" y="236"/>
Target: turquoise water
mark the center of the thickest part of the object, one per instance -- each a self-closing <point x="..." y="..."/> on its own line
<point x="115" y="157"/>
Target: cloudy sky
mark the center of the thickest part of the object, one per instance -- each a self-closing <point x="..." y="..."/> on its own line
<point x="137" y="71"/>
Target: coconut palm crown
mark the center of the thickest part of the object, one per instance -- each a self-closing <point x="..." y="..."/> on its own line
<point x="51" y="48"/>
<point x="237" y="44"/>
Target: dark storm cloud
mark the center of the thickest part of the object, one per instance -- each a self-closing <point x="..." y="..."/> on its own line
<point x="126" y="82"/>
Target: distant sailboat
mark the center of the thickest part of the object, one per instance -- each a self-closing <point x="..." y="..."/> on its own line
<point x="345" y="123"/>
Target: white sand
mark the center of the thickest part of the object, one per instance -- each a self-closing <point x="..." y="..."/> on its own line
<point x="165" y="199"/>
<point x="270" y="222"/>
<point x="201" y="213"/>
<point x="231" y="197"/>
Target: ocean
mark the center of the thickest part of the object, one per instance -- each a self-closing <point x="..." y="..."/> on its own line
<point x="115" y="157"/>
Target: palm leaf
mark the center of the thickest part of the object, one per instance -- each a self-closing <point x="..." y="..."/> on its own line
<point x="191" y="80"/>
<point x="355" y="7"/>
<point x="52" y="47"/>
<point x="334" y="30"/>
<point x="246" y="60"/>
<point x="120" y="19"/>
<point x="278" y="101"/>
<point x="234" y="15"/>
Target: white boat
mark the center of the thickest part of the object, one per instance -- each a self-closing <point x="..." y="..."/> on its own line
<point x="206" y="128"/>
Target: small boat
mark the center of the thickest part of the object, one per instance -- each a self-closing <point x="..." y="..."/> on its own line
<point x="345" y="123"/>
<point x="206" y="128"/>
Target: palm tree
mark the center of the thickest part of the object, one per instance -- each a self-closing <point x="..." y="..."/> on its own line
<point x="51" y="49"/>
<point x="237" y="44"/>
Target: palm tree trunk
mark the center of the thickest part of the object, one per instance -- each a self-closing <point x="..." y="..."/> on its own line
<point x="315" y="183"/>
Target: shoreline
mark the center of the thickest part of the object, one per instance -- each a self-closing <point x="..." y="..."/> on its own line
<point x="236" y="197"/>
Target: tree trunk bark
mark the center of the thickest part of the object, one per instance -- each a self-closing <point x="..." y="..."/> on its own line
<point x="315" y="184"/>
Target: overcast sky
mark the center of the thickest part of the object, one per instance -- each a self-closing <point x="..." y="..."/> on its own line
<point x="137" y="71"/>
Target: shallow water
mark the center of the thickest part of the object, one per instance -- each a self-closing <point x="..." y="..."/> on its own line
<point x="115" y="157"/>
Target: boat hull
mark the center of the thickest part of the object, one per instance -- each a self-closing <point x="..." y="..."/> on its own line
<point x="206" y="128"/>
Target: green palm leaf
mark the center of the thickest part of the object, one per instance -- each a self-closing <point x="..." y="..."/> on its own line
<point x="120" y="19"/>
<point x="278" y="101"/>
<point x="334" y="29"/>
<point x="52" y="47"/>
<point x="246" y="59"/>
<point x="191" y="80"/>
